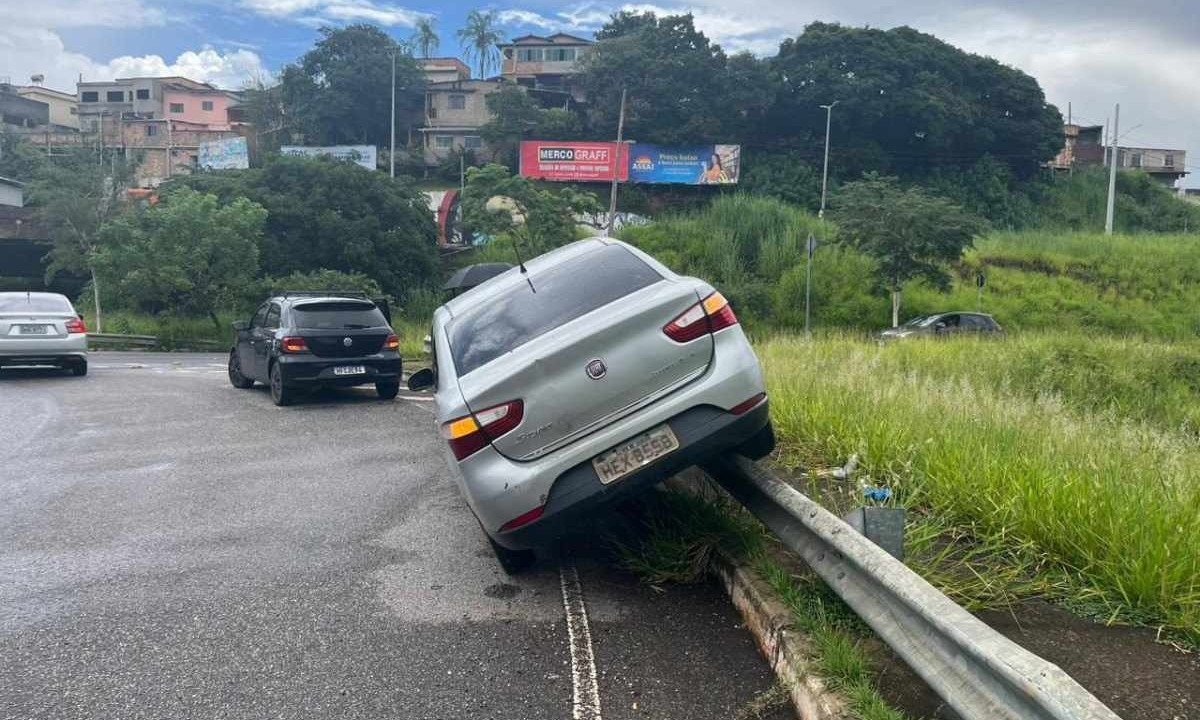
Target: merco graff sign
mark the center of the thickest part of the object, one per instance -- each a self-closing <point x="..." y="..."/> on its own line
<point x="574" y="161"/>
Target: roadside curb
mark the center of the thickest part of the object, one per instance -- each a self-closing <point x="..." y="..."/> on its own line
<point x="786" y="649"/>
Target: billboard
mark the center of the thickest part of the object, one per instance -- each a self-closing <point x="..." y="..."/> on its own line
<point x="227" y="154"/>
<point x="694" y="165"/>
<point x="573" y="161"/>
<point x="363" y="155"/>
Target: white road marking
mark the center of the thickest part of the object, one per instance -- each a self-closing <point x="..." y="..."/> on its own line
<point x="586" y="702"/>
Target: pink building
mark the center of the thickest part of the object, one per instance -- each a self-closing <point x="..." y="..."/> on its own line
<point x="197" y="105"/>
<point x="165" y="98"/>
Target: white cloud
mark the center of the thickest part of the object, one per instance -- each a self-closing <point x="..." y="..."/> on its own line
<point x="329" y="12"/>
<point x="30" y="44"/>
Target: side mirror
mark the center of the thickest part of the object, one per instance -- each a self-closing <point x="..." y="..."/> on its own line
<point x="241" y="325"/>
<point x="421" y="380"/>
<point x="939" y="326"/>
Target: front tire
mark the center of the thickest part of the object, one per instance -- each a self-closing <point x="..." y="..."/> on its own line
<point x="513" y="562"/>
<point x="236" y="378"/>
<point x="387" y="390"/>
<point x="281" y="395"/>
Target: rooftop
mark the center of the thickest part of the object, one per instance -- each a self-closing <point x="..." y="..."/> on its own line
<point x="556" y="39"/>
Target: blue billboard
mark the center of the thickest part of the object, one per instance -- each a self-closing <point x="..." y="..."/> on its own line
<point x="694" y="165"/>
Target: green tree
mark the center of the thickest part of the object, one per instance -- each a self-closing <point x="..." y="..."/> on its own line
<point x="425" y="37"/>
<point x="340" y="91"/>
<point x="189" y="254"/>
<point x="907" y="102"/>
<point x="336" y="215"/>
<point x="76" y="194"/>
<point x="262" y="105"/>
<point x="19" y="160"/>
<point x="911" y="234"/>
<point x="546" y="215"/>
<point x="479" y="37"/>
<point x="517" y="115"/>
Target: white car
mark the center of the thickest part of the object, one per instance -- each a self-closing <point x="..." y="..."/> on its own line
<point x="593" y="374"/>
<point x="38" y="328"/>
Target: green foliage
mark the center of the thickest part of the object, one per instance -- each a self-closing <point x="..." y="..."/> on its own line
<point x="322" y="279"/>
<point x="548" y="212"/>
<point x="334" y="215"/>
<point x="682" y="89"/>
<point x="339" y="92"/>
<point x="784" y="175"/>
<point x="19" y="160"/>
<point x="516" y="116"/>
<point x="479" y="37"/>
<point x="189" y="254"/>
<point x="907" y="102"/>
<point x="1078" y="201"/>
<point x="425" y="37"/>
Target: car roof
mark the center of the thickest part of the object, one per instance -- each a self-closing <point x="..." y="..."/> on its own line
<point x="33" y="294"/>
<point x="296" y="300"/>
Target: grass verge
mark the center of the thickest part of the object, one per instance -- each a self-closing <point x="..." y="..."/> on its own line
<point x="684" y="531"/>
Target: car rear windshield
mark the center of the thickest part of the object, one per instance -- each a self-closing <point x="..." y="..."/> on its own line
<point x="563" y="293"/>
<point x="337" y="316"/>
<point x="20" y="302"/>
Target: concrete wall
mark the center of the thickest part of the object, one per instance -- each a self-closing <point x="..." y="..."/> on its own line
<point x="62" y="109"/>
<point x="474" y="112"/>
<point x="11" y="196"/>
<point x="436" y="149"/>
<point x="193" y="104"/>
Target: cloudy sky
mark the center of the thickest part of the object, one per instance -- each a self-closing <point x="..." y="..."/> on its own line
<point x="1145" y="55"/>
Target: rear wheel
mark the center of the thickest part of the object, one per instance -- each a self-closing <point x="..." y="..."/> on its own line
<point x="236" y="378"/>
<point x="280" y="393"/>
<point x="513" y="562"/>
<point x="760" y="443"/>
<point x="79" y="369"/>
<point x="387" y="390"/>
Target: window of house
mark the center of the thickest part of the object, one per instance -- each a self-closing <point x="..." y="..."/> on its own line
<point x="560" y="54"/>
<point x="472" y="142"/>
<point x="176" y="107"/>
<point x="151" y="130"/>
<point x="206" y="105"/>
<point x="143" y="94"/>
<point x="115" y="96"/>
<point x="529" y="54"/>
<point x="1136" y="160"/>
<point x="457" y="102"/>
<point x="90" y="96"/>
<point x="443" y="142"/>
<point x="1169" y="160"/>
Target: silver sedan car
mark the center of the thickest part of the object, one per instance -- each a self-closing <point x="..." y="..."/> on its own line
<point x="38" y="328"/>
<point x="594" y="373"/>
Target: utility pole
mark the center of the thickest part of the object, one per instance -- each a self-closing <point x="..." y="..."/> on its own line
<point x="1112" y="171"/>
<point x="1071" y="159"/>
<point x="825" y="171"/>
<point x="392" y="154"/>
<point x="810" y="247"/>
<point x="170" y="146"/>
<point x="612" y="198"/>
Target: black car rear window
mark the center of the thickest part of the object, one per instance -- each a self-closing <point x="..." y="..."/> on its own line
<point x="563" y="293"/>
<point x="34" y="303"/>
<point x="337" y="316"/>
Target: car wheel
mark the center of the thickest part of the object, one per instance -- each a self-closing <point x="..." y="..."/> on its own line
<point x="387" y="390"/>
<point x="236" y="378"/>
<point x="280" y="393"/>
<point x="79" y="369"/>
<point x="760" y="443"/>
<point x="513" y="562"/>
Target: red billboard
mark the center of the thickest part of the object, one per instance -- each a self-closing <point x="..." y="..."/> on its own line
<point x="574" y="161"/>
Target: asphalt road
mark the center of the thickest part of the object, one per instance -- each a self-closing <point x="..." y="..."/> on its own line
<point x="171" y="547"/>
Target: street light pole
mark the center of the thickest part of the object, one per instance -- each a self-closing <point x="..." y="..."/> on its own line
<point x="392" y="154"/>
<point x="1115" y="156"/>
<point x="810" y="243"/>
<point x="612" y="198"/>
<point x="825" y="171"/>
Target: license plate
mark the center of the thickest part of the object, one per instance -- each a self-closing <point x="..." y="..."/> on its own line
<point x="349" y="370"/>
<point x="634" y="454"/>
<point x="33" y="329"/>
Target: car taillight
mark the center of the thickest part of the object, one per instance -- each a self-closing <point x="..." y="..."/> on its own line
<point x="523" y="519"/>
<point x="392" y="343"/>
<point x="747" y="405"/>
<point x="76" y="325"/>
<point x="469" y="434"/>
<point x="293" y="345"/>
<point x="707" y="316"/>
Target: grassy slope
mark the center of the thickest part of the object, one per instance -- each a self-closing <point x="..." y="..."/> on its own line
<point x="978" y="433"/>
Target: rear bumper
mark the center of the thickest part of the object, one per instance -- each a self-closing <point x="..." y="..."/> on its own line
<point x="577" y="494"/>
<point x="43" y="351"/>
<point x="313" y="370"/>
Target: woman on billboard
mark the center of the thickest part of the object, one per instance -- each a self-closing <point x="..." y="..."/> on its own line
<point x="715" y="173"/>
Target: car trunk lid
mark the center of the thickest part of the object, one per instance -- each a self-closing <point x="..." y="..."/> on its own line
<point x="29" y="325"/>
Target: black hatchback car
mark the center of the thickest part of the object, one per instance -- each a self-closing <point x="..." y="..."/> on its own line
<point x="299" y="341"/>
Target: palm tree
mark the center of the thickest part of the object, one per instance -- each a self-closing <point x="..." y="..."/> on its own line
<point x="425" y="38"/>
<point x="479" y="37"/>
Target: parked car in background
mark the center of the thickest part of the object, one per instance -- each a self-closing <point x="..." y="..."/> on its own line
<point x="594" y="373"/>
<point x="946" y="324"/>
<point x="39" y="328"/>
<point x="307" y="340"/>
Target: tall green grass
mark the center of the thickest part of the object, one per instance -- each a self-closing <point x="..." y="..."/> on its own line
<point x="1111" y="500"/>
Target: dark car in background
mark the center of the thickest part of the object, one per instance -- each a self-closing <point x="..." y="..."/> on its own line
<point x="947" y="324"/>
<point x="304" y="340"/>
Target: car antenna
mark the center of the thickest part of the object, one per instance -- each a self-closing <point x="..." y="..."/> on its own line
<point x="520" y="262"/>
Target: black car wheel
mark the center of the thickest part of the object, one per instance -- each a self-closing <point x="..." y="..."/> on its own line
<point x="513" y="562"/>
<point x="760" y="444"/>
<point x="236" y="378"/>
<point x="280" y="393"/>
<point x="79" y="369"/>
<point x="387" y="390"/>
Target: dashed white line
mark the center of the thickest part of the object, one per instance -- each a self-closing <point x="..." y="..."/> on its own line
<point x="586" y="701"/>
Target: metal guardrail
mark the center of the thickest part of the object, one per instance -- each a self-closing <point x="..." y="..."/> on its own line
<point x="114" y="339"/>
<point x="980" y="673"/>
